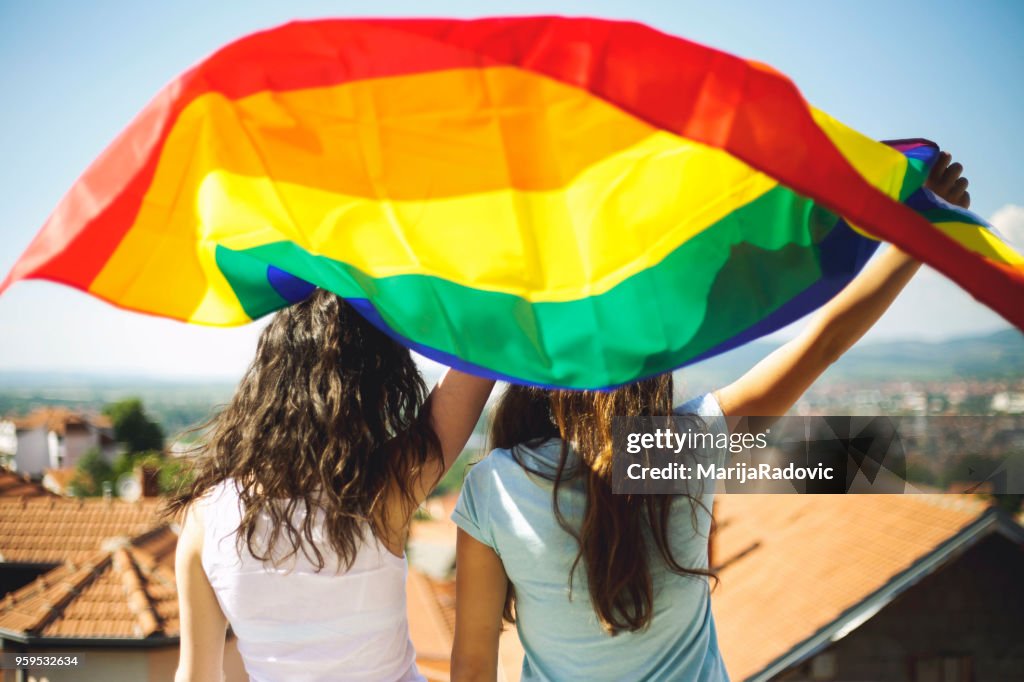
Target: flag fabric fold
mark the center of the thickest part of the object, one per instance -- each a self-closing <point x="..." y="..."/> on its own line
<point x="562" y="202"/>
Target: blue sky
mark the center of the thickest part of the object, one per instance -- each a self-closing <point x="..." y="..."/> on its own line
<point x="75" y="73"/>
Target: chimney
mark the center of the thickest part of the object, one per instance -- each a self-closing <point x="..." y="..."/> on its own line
<point x="149" y="480"/>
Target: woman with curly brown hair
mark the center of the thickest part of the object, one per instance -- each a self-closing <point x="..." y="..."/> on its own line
<point x="295" y="522"/>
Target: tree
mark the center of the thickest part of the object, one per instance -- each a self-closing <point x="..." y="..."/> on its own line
<point x="90" y="474"/>
<point x="133" y="427"/>
<point x="175" y="472"/>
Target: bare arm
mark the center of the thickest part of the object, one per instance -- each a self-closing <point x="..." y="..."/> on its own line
<point x="203" y="625"/>
<point x="481" y="586"/>
<point x="778" y="381"/>
<point x="453" y="408"/>
<point x="772" y="387"/>
<point x="454" y="405"/>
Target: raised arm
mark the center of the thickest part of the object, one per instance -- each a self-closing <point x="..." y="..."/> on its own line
<point x="454" y="407"/>
<point x="773" y="385"/>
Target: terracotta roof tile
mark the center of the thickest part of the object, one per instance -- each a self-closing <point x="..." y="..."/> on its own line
<point x="115" y="568"/>
<point x="116" y="580"/>
<point x="60" y="419"/>
<point x="430" y="629"/>
<point x="119" y="592"/>
<point x="791" y="564"/>
<point x="55" y="530"/>
<point x="13" y="484"/>
<point x="431" y="605"/>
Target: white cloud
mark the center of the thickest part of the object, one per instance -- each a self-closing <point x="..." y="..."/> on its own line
<point x="1009" y="220"/>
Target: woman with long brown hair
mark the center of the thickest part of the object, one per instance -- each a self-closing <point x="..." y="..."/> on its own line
<point x="539" y="525"/>
<point x="294" y="524"/>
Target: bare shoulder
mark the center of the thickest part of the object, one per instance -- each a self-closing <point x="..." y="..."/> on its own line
<point x="190" y="534"/>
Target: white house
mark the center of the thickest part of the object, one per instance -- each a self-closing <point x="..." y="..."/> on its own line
<point x="8" y="443"/>
<point x="1008" y="402"/>
<point x="55" y="438"/>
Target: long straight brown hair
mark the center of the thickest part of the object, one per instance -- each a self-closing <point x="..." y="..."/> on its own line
<point x="326" y="425"/>
<point x="613" y="535"/>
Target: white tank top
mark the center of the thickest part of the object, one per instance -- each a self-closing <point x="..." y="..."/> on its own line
<point x="295" y="624"/>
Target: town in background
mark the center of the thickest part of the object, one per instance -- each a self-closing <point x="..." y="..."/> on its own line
<point x="811" y="587"/>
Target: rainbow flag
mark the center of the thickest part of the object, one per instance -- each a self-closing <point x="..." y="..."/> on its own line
<point x="563" y="202"/>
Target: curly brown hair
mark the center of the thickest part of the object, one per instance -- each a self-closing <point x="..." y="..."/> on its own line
<point x="326" y="427"/>
<point x="613" y="535"/>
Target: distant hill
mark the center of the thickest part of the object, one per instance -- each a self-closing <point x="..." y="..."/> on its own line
<point x="176" y="404"/>
<point x="179" y="403"/>
<point x="69" y="381"/>
<point x="998" y="355"/>
<point x="989" y="356"/>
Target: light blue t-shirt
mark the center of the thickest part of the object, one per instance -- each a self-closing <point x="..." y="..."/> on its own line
<point x="510" y="510"/>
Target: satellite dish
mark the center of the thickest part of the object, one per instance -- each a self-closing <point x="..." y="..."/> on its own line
<point x="128" y="487"/>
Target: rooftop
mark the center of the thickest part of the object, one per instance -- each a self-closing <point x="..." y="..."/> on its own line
<point x="15" y="485"/>
<point x="60" y="420"/>
<point x="114" y="579"/>
<point x="431" y="596"/>
<point x="792" y="565"/>
<point x="124" y="590"/>
<point x="55" y="530"/>
<point x="431" y="609"/>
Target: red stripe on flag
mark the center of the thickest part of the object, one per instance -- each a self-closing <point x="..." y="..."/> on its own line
<point x="751" y="111"/>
